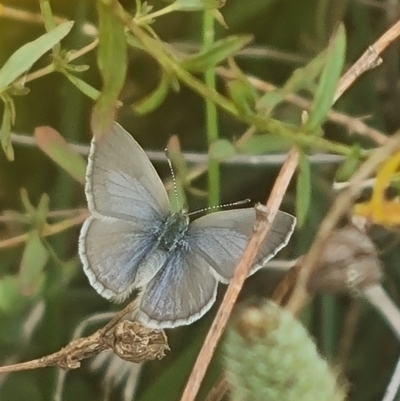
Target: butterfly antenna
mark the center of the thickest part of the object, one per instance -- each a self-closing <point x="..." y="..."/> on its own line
<point x="171" y="168"/>
<point x="206" y="209"/>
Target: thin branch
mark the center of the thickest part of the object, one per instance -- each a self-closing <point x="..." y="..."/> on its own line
<point x="11" y="215"/>
<point x="202" y="158"/>
<point x="264" y="52"/>
<point x="49" y="229"/>
<point x="378" y="297"/>
<point x="394" y="384"/>
<point x="265" y="217"/>
<point x="129" y="340"/>
<point x="370" y="59"/>
<point x="18" y="14"/>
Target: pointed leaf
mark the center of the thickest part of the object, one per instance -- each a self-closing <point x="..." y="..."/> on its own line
<point x="177" y="195"/>
<point x="303" y="192"/>
<point x="244" y="95"/>
<point x="304" y="78"/>
<point x="197" y="5"/>
<point x="324" y="96"/>
<point x="42" y="212"/>
<point x="54" y="145"/>
<point x="216" y="53"/>
<point x="154" y="100"/>
<point x="221" y="150"/>
<point x="112" y="61"/>
<point x="29" y="208"/>
<point x="83" y="86"/>
<point x="176" y="156"/>
<point x="349" y="167"/>
<point x="266" y="143"/>
<point x="23" y="59"/>
<point x="34" y="259"/>
<point x="10" y="295"/>
<point x="5" y="131"/>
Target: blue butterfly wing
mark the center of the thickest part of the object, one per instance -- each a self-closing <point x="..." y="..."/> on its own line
<point x="180" y="293"/>
<point x="221" y="237"/>
<point x="128" y="203"/>
<point x="121" y="182"/>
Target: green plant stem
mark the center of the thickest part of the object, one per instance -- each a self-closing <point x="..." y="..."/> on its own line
<point x="211" y="115"/>
<point x="156" y="49"/>
<point x="147" y="18"/>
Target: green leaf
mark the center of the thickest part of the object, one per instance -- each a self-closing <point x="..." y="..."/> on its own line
<point x="37" y="217"/>
<point x="244" y="95"/>
<point x="176" y="156"/>
<point x="29" y="208"/>
<point x="270" y="100"/>
<point x="55" y="146"/>
<point x="10" y="295"/>
<point x="42" y="212"/>
<point x="112" y="61"/>
<point x="266" y="143"/>
<point x="174" y="153"/>
<point x="34" y="259"/>
<point x="47" y="13"/>
<point x="23" y="59"/>
<point x="83" y="86"/>
<point x="197" y="5"/>
<point x="301" y="79"/>
<point x="133" y="41"/>
<point x="303" y="192"/>
<point x="77" y="67"/>
<point x="154" y="100"/>
<point x="221" y="150"/>
<point x="324" y="96"/>
<point x="5" y="131"/>
<point x="349" y="167"/>
<point x="216" y="53"/>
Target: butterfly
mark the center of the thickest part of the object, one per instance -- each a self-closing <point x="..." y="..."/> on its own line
<point x="132" y="240"/>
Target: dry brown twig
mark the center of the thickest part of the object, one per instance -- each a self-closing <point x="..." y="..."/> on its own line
<point x="128" y="340"/>
<point x="49" y="229"/>
<point x="265" y="216"/>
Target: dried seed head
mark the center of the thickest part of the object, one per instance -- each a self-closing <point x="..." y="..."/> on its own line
<point x="349" y="261"/>
<point x="134" y="342"/>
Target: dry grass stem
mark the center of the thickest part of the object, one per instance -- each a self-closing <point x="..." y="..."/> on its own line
<point x="265" y="216"/>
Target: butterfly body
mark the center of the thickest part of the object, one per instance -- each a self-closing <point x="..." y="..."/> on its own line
<point x="133" y="240"/>
<point x="173" y="231"/>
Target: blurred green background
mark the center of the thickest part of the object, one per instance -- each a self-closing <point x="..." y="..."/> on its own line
<point x="287" y="34"/>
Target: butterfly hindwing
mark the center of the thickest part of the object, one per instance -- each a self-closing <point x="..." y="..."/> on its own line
<point x="180" y="293"/>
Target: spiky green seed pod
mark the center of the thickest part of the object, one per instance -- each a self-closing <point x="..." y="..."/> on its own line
<point x="270" y="356"/>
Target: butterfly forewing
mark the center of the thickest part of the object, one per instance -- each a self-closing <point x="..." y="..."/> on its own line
<point x="180" y="293"/>
<point x="220" y="238"/>
<point x="120" y="180"/>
